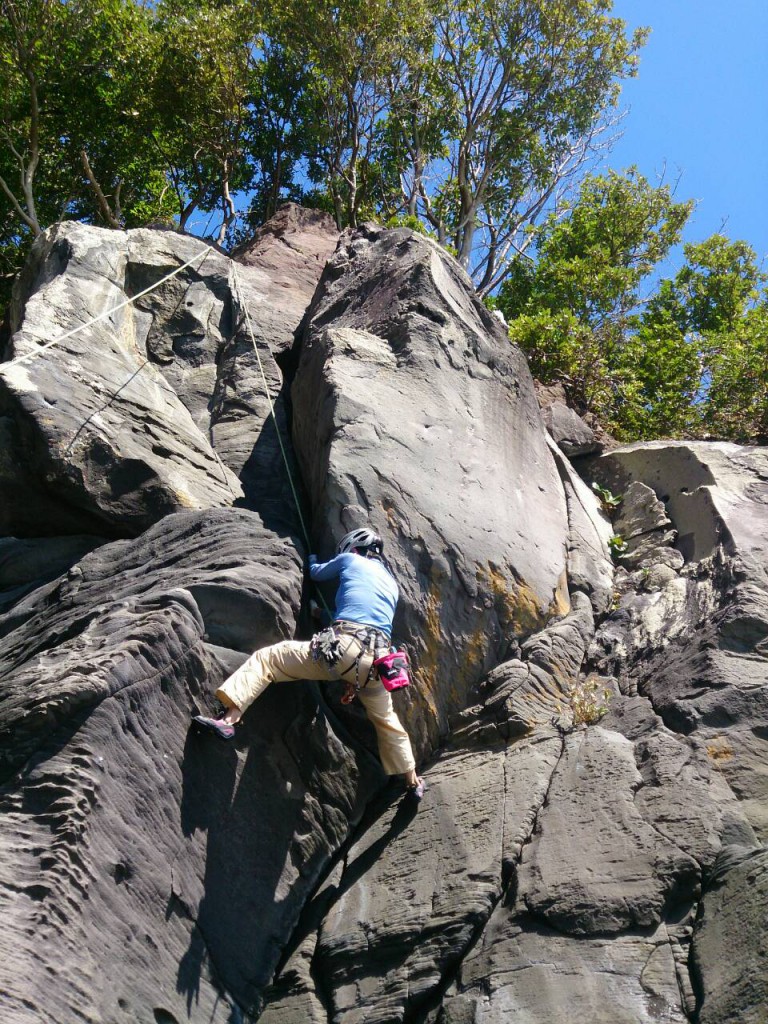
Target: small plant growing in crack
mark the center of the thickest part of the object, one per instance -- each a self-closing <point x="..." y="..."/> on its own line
<point x="589" y="700"/>
<point x="618" y="546"/>
<point x="608" y="502"/>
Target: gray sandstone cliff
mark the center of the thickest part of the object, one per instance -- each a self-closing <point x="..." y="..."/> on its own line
<point x="556" y="870"/>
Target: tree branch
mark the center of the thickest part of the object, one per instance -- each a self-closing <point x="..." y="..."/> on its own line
<point x="106" y="210"/>
<point x="31" y="224"/>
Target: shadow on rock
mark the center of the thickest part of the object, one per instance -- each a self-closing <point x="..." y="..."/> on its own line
<point x="265" y="814"/>
<point x="317" y="908"/>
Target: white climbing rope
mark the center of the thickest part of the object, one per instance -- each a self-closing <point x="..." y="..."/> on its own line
<point x="103" y="316"/>
<point x="239" y="296"/>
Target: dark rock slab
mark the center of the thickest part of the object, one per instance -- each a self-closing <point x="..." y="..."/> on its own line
<point x="413" y="414"/>
<point x="154" y="873"/>
<point x="243" y="581"/>
<point x="729" y="954"/>
<point x="524" y="970"/>
<point x="417" y="888"/>
<point x="541" y="871"/>
<point x="28" y="564"/>
<point x="624" y="873"/>
<point x="290" y="252"/>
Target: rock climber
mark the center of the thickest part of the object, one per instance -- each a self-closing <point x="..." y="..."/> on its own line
<point x="366" y="598"/>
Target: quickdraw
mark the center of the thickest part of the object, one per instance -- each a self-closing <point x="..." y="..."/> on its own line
<point x="326" y="645"/>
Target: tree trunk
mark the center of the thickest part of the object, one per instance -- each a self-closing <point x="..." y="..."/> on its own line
<point x="106" y="210"/>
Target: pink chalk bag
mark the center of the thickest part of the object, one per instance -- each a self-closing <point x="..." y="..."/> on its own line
<point x="392" y="669"/>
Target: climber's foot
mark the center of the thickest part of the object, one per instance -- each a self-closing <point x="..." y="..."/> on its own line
<point x="222" y="729"/>
<point x="417" y="789"/>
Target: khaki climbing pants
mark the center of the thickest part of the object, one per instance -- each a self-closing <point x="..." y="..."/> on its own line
<point x="292" y="660"/>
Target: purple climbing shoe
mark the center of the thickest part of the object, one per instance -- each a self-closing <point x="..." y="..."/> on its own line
<point x="223" y="729"/>
<point x="417" y="791"/>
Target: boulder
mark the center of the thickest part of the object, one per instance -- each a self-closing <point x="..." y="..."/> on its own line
<point x="414" y="415"/>
<point x="290" y="252"/>
<point x="576" y="435"/>
<point x="568" y="430"/>
<point x="106" y="445"/>
<point x="162" y="405"/>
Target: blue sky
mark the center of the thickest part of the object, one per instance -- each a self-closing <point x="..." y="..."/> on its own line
<point x="699" y="107"/>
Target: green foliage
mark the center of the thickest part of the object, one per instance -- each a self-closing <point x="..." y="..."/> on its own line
<point x="468" y="118"/>
<point x="688" y="361"/>
<point x="589" y="700"/>
<point x="617" y="545"/>
<point x="516" y="94"/>
<point x="592" y="260"/>
<point x="736" y="403"/>
<point x="404" y="220"/>
<point x="609" y="502"/>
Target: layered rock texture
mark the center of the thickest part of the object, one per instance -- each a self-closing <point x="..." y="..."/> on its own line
<point x="594" y="736"/>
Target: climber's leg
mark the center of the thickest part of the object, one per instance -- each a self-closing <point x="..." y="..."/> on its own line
<point x="394" y="744"/>
<point x="280" y="663"/>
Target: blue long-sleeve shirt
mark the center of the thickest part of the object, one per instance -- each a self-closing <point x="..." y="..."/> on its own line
<point x="367" y="592"/>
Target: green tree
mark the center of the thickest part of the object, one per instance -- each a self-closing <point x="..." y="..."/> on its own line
<point x="350" y="52"/>
<point x="281" y="130"/>
<point x="690" y="360"/>
<point x="107" y="126"/>
<point x="716" y="304"/>
<point x="576" y="309"/>
<point x="201" y="93"/>
<point x="532" y="86"/>
<point x="736" y="403"/>
<point x="73" y="129"/>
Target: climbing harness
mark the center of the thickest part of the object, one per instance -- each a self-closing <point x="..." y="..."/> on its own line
<point x="328" y="644"/>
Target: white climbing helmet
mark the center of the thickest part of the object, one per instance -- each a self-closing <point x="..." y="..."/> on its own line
<point x="360" y="538"/>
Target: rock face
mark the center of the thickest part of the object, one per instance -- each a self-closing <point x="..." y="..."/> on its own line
<point x="160" y="406"/>
<point x="590" y="844"/>
<point x="290" y="252"/>
<point x="414" y="415"/>
<point x="570" y="432"/>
